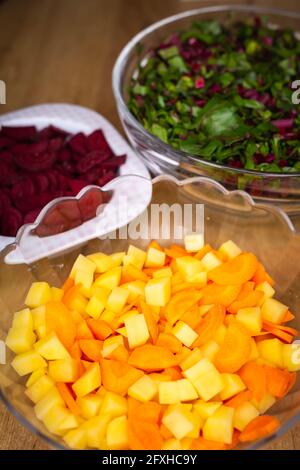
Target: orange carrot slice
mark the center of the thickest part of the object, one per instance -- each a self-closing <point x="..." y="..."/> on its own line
<point x="91" y="348"/>
<point x="155" y="244"/>
<point x="251" y="299"/>
<point x="201" y="253"/>
<point x="134" y="273"/>
<point x="209" y="325"/>
<point x="288" y="317"/>
<point x="59" y="319"/>
<point x="151" y="358"/>
<point x="75" y="351"/>
<point x="223" y="295"/>
<point x="259" y="427"/>
<point x="286" y="337"/>
<point x="164" y="431"/>
<point x="119" y="354"/>
<point x="67" y="396"/>
<point x="236" y="271"/>
<point x="235" y="350"/>
<point x="149" y="412"/>
<point x="287" y="329"/>
<point x="180" y="303"/>
<point x="144" y="435"/>
<point x="169" y="341"/>
<point x="150" y="320"/>
<point x="174" y="372"/>
<point x="68" y="284"/>
<point x="254" y="377"/>
<point x="261" y="275"/>
<point x="174" y="253"/>
<point x="192" y="317"/>
<point x="204" y="444"/>
<point x="278" y="381"/>
<point x="118" y="376"/>
<point x="83" y="331"/>
<point x="100" y="328"/>
<point x="239" y="399"/>
<point x="71" y="294"/>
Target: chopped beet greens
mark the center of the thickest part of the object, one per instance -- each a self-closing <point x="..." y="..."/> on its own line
<point x="223" y="93"/>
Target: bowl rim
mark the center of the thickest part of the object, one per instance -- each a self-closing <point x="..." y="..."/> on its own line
<point x="121" y="61"/>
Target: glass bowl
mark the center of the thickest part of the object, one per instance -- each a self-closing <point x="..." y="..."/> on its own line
<point x="263" y="229"/>
<point x="280" y="189"/>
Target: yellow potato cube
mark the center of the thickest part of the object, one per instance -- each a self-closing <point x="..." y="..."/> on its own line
<point x="137" y="330"/>
<point x="38" y="294"/>
<point x="143" y="389"/>
<point x="155" y="258"/>
<point x="117" y="434"/>
<point x="89" y="405"/>
<point x="192" y="358"/>
<point x="117" y="258"/>
<point x="79" y="303"/>
<point x="20" y="340"/>
<point x="110" y="344"/>
<point x="206" y="409"/>
<point x="38" y="389"/>
<point x="164" y="272"/>
<point x="271" y="351"/>
<point x="264" y="404"/>
<point x="23" y="319"/>
<point x="243" y="414"/>
<point x="219" y="426"/>
<point x="199" y="278"/>
<point x="266" y="289"/>
<point x="102" y="261"/>
<point x="194" y="242"/>
<point x="27" y="362"/>
<point x="95" y="431"/>
<point x="89" y="381"/>
<point x="113" y="405"/>
<point x="51" y="399"/>
<point x="201" y="367"/>
<point x="230" y="249"/>
<point x="117" y="299"/>
<point x="203" y="309"/>
<point x="233" y="384"/>
<point x="205" y="378"/>
<point x="198" y="422"/>
<point x="251" y="318"/>
<point x="70" y="422"/>
<point x="186" y="390"/>
<point x="76" y="439"/>
<point x="210" y="261"/>
<point x="184" y="333"/>
<point x="85" y="278"/>
<point x="82" y="263"/>
<point x="158" y="291"/>
<point x="110" y="279"/>
<point x="171" y="444"/>
<point x="273" y="311"/>
<point x="39" y="320"/>
<point x="136" y="289"/>
<point x="122" y="318"/>
<point x="189" y="266"/>
<point x="168" y="393"/>
<point x="179" y="420"/>
<point x="109" y="316"/>
<point x="291" y="357"/>
<point x="186" y="443"/>
<point x="254" y="354"/>
<point x="210" y="350"/>
<point x="57" y="294"/>
<point x="135" y="256"/>
<point x="55" y="418"/>
<point x="95" y="307"/>
<point x="36" y="375"/>
<point x="122" y="331"/>
<point x="51" y="348"/>
<point x="63" y="370"/>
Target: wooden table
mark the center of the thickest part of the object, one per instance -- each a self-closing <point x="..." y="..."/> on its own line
<point x="64" y="51"/>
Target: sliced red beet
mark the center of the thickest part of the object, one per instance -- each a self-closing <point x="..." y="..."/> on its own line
<point x="64" y="154"/>
<point x="23" y="189"/>
<point x="35" y="202"/>
<point x="31" y="216"/>
<point x="20" y="133"/>
<point x="12" y="221"/>
<point x="76" y="185"/>
<point x="78" y="143"/>
<point x="41" y="182"/>
<point x="92" y="159"/>
<point x="56" y="144"/>
<point x="5" y="142"/>
<point x="52" y="131"/>
<point x="7" y="173"/>
<point x="114" y="162"/>
<point x="35" y="163"/>
<point x="97" y="141"/>
<point x="106" y="178"/>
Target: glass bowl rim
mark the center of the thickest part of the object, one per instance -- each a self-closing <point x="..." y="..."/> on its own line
<point x="133" y="42"/>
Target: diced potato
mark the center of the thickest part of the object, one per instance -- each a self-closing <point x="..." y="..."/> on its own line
<point x="20" y="340"/>
<point x="28" y="362"/>
<point x="122" y="331"/>
<point x="95" y="306"/>
<point x="186" y="390"/>
<point x="155" y="258"/>
<point x="55" y="417"/>
<point x="194" y="242"/>
<point x="164" y="272"/>
<point x="57" y="294"/>
<point x="254" y="354"/>
<point x="291" y="357"/>
<point x="117" y="258"/>
<point x="89" y="381"/>
<point x="201" y="367"/>
<point x="110" y="279"/>
<point x="199" y="278"/>
<point x="230" y="249"/>
<point x="203" y="309"/>
<point x="171" y="444"/>
<point x="109" y="316"/>
<point x="210" y="261"/>
<point x="76" y="439"/>
<point x="51" y="348"/>
<point x="117" y="434"/>
<point x="198" y="422"/>
<point x="158" y="291"/>
<point x="233" y="384"/>
<point x="36" y="375"/>
<point x="39" y="321"/>
<point x="205" y="378"/>
<point x="210" y="350"/>
<point x="38" y="389"/>
<point x="113" y="405"/>
<point x="179" y="420"/>
<point x="89" y="405"/>
<point x="243" y="414"/>
<point x="189" y="266"/>
<point x="23" y="319"/>
<point x="271" y="351"/>
<point x="168" y="393"/>
<point x="38" y="294"/>
<point x="117" y="299"/>
<point x="110" y="344"/>
<point x="63" y="370"/>
<point x="264" y="404"/>
<point x="184" y="333"/>
<point x="82" y="263"/>
<point x="78" y="303"/>
<point x="137" y="330"/>
<point x="85" y="278"/>
<point x="135" y="289"/>
<point x="206" y="409"/>
<point x="219" y="426"/>
<point x="51" y="399"/>
<point x="125" y="316"/>
<point x="143" y="389"/>
<point x="135" y="256"/>
<point x="251" y="318"/>
<point x="273" y="311"/>
<point x="192" y="358"/>
<point x="95" y="431"/>
<point x="69" y="422"/>
<point x="266" y="289"/>
<point x="102" y="261"/>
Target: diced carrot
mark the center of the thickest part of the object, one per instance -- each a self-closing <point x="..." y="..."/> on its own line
<point x="71" y="294"/>
<point x="144" y="435"/>
<point x="118" y="376"/>
<point x="169" y="341"/>
<point x="125" y="277"/>
<point x="204" y="444"/>
<point x="75" y="351"/>
<point x="223" y="295"/>
<point x="192" y="317"/>
<point x="288" y="317"/>
<point x="239" y="399"/>
<point x="180" y="303"/>
<point x="287" y="329"/>
<point x="149" y="271"/>
<point x="278" y="381"/>
<point x="184" y="286"/>
<point x="59" y="319"/>
<point x="261" y="275"/>
<point x="174" y="372"/>
<point x="254" y="377"/>
<point x="175" y="253"/>
<point x="69" y="282"/>
<point x="100" y="328"/>
<point x="135" y="273"/>
<point x="119" y="354"/>
<point x="164" y="431"/>
<point x="83" y="331"/>
<point x="283" y="335"/>
<point x="162" y="376"/>
<point x="132" y="404"/>
<point x="293" y="377"/>
<point x="150" y="320"/>
<point x="67" y="396"/>
<point x="80" y="368"/>
<point x="76" y="316"/>
<point x="149" y="412"/>
<point x="259" y="427"/>
<point x="250" y="299"/>
<point x="91" y="348"/>
<point x="151" y="358"/>
<point x="236" y="271"/>
<point x="235" y="350"/>
<point x="201" y="253"/>
<point x="211" y="321"/>
<point x="155" y="244"/>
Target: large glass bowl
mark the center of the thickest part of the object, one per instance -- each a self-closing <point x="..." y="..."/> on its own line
<point x="281" y="189"/>
<point x="265" y="230"/>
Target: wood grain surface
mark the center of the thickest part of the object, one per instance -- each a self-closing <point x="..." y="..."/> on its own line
<point x="64" y="51"/>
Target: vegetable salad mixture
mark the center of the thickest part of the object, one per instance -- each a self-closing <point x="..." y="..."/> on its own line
<point x="223" y="93"/>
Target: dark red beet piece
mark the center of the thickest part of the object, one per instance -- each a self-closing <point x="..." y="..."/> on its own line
<point x="11" y="222"/>
<point x="91" y="160"/>
<point x="7" y="173"/>
<point x="41" y="182"/>
<point x="23" y="189"/>
<point x="78" y="143"/>
<point x="31" y="216"/>
<point x="35" y="163"/>
<point x="20" y="133"/>
<point x="97" y="141"/>
<point x="106" y="178"/>
<point x="76" y="186"/>
<point x="114" y="163"/>
<point x="64" y="154"/>
<point x="5" y="142"/>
